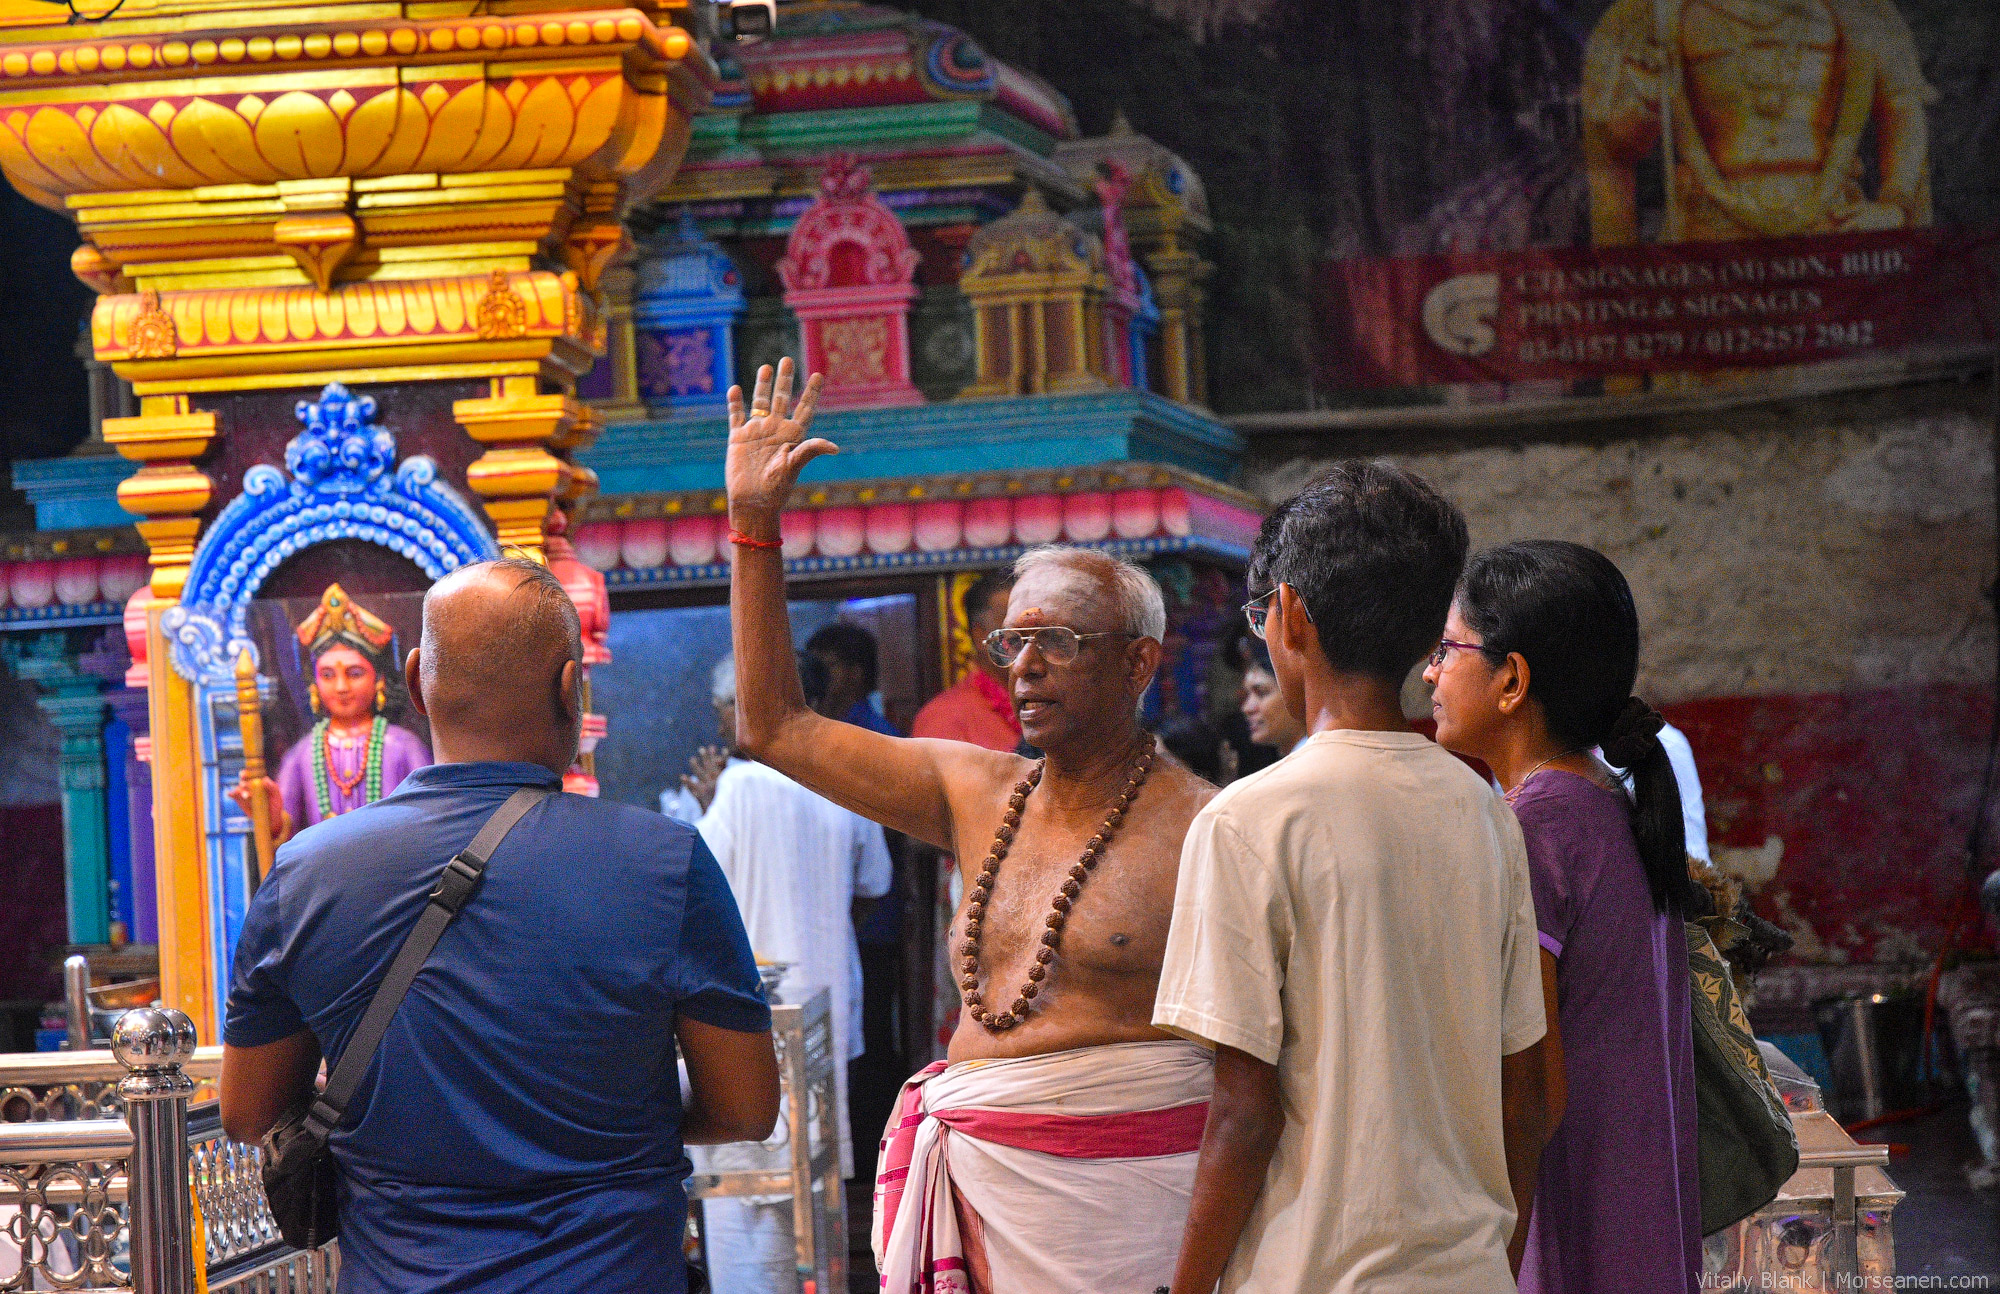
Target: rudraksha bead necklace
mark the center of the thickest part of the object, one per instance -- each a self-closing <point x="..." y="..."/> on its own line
<point x="1059" y="906"/>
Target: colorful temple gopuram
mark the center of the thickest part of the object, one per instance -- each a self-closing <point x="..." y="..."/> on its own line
<point x="388" y="288"/>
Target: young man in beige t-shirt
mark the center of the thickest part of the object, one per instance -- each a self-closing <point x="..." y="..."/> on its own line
<point x="1354" y="934"/>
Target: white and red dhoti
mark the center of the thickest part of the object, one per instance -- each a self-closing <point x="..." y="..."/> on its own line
<point x="1060" y="1174"/>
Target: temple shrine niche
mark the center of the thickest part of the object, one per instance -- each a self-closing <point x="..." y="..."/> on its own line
<point x="1037" y="286"/>
<point x="849" y="274"/>
<point x="686" y="299"/>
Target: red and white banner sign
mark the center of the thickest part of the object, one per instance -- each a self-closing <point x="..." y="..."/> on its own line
<point x="1583" y="313"/>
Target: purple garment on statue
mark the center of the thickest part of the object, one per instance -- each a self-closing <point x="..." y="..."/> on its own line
<point x="1617" y="1205"/>
<point x="403" y="752"/>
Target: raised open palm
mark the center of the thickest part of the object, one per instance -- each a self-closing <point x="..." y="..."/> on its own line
<point x="767" y="443"/>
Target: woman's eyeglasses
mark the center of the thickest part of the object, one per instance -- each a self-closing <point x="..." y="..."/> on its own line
<point x="1058" y="644"/>
<point x="1446" y="645"/>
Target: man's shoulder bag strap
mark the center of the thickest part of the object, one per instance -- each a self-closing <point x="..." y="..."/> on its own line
<point x="454" y="887"/>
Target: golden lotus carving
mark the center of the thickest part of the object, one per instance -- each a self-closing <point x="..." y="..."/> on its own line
<point x="150" y="141"/>
<point x="351" y="150"/>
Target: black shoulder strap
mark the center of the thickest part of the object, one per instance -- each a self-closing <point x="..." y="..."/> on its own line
<point x="454" y="887"/>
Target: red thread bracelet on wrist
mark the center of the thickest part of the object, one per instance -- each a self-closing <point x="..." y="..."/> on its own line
<point x="742" y="540"/>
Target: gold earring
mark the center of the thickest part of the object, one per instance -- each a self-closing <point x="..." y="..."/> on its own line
<point x="312" y="695"/>
<point x="381" y="696"/>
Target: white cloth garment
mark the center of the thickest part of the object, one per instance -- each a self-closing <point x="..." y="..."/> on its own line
<point x="1694" y="814"/>
<point x="795" y="862"/>
<point x="747" y="1244"/>
<point x="1359" y="915"/>
<point x="1065" y="1173"/>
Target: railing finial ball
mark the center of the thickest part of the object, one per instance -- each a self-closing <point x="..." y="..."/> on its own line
<point x="153" y="1038"/>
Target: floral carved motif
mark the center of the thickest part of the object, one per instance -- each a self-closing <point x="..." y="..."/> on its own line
<point x="857" y="350"/>
<point x="397" y="311"/>
<point x="501" y="312"/>
<point x="153" y="332"/>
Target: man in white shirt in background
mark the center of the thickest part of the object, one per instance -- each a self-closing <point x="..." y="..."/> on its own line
<point x="795" y="863"/>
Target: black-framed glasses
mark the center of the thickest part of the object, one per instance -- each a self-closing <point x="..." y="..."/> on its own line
<point x="1058" y="644"/>
<point x="1447" y="645"/>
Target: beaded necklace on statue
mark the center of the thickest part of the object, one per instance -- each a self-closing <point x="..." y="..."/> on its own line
<point x="1059" y="906"/>
<point x="326" y="776"/>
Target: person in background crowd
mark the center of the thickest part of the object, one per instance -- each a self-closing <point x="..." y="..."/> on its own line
<point x="1191" y="740"/>
<point x="1239" y="756"/>
<point x="1354" y="934"/>
<point x="851" y="660"/>
<point x="977" y="708"/>
<point x="1272" y="722"/>
<point x="853" y="668"/>
<point x="1536" y="667"/>
<point x="1054" y="1152"/>
<point x="521" y="1127"/>
<point x="795" y="863"/>
<point x="688" y="801"/>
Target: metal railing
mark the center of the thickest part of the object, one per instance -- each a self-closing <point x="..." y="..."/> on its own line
<point x="68" y="1085"/>
<point x="109" y="1181"/>
<point x="112" y="1179"/>
<point x="807" y="1055"/>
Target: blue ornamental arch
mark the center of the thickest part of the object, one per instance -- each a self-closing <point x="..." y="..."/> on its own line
<point x="344" y="483"/>
<point x="341" y="481"/>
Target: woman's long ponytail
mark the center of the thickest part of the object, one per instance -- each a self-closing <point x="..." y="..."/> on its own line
<point x="1657" y="824"/>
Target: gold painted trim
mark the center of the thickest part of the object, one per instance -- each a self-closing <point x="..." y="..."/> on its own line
<point x="266" y="380"/>
<point x="180" y="858"/>
<point x="108" y="54"/>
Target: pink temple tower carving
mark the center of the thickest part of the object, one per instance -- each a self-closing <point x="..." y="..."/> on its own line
<point x="1124" y="298"/>
<point x="849" y="274"/>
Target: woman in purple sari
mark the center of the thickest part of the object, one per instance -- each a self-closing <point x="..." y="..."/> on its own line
<point x="1536" y="668"/>
<point x="352" y="755"/>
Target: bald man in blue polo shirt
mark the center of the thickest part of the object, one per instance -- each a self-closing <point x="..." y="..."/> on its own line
<point x="522" y="1126"/>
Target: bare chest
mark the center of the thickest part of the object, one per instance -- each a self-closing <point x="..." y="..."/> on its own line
<point x="1101" y="921"/>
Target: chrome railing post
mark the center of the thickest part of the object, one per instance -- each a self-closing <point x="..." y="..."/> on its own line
<point x="76" y="1002"/>
<point x="153" y="1043"/>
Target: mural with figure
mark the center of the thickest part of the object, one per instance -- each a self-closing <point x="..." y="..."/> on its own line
<point x="1682" y="194"/>
<point x="353" y="754"/>
<point x="1762" y="110"/>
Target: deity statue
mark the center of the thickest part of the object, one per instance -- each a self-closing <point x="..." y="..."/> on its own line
<point x="352" y="755"/>
<point x="1759" y="108"/>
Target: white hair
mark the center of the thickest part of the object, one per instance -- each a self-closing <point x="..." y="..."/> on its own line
<point x="722" y="681"/>
<point x="1142" y="608"/>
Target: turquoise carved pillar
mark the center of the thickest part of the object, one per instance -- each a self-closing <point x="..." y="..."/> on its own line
<point x="74" y="702"/>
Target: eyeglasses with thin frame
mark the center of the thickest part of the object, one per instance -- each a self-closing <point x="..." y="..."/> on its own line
<point x="1058" y="644"/>
<point x="1257" y="610"/>
<point x="1450" y="645"/>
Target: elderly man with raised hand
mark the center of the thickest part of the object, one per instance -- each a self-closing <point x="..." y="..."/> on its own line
<point x="1070" y="1121"/>
<point x="522" y="1125"/>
